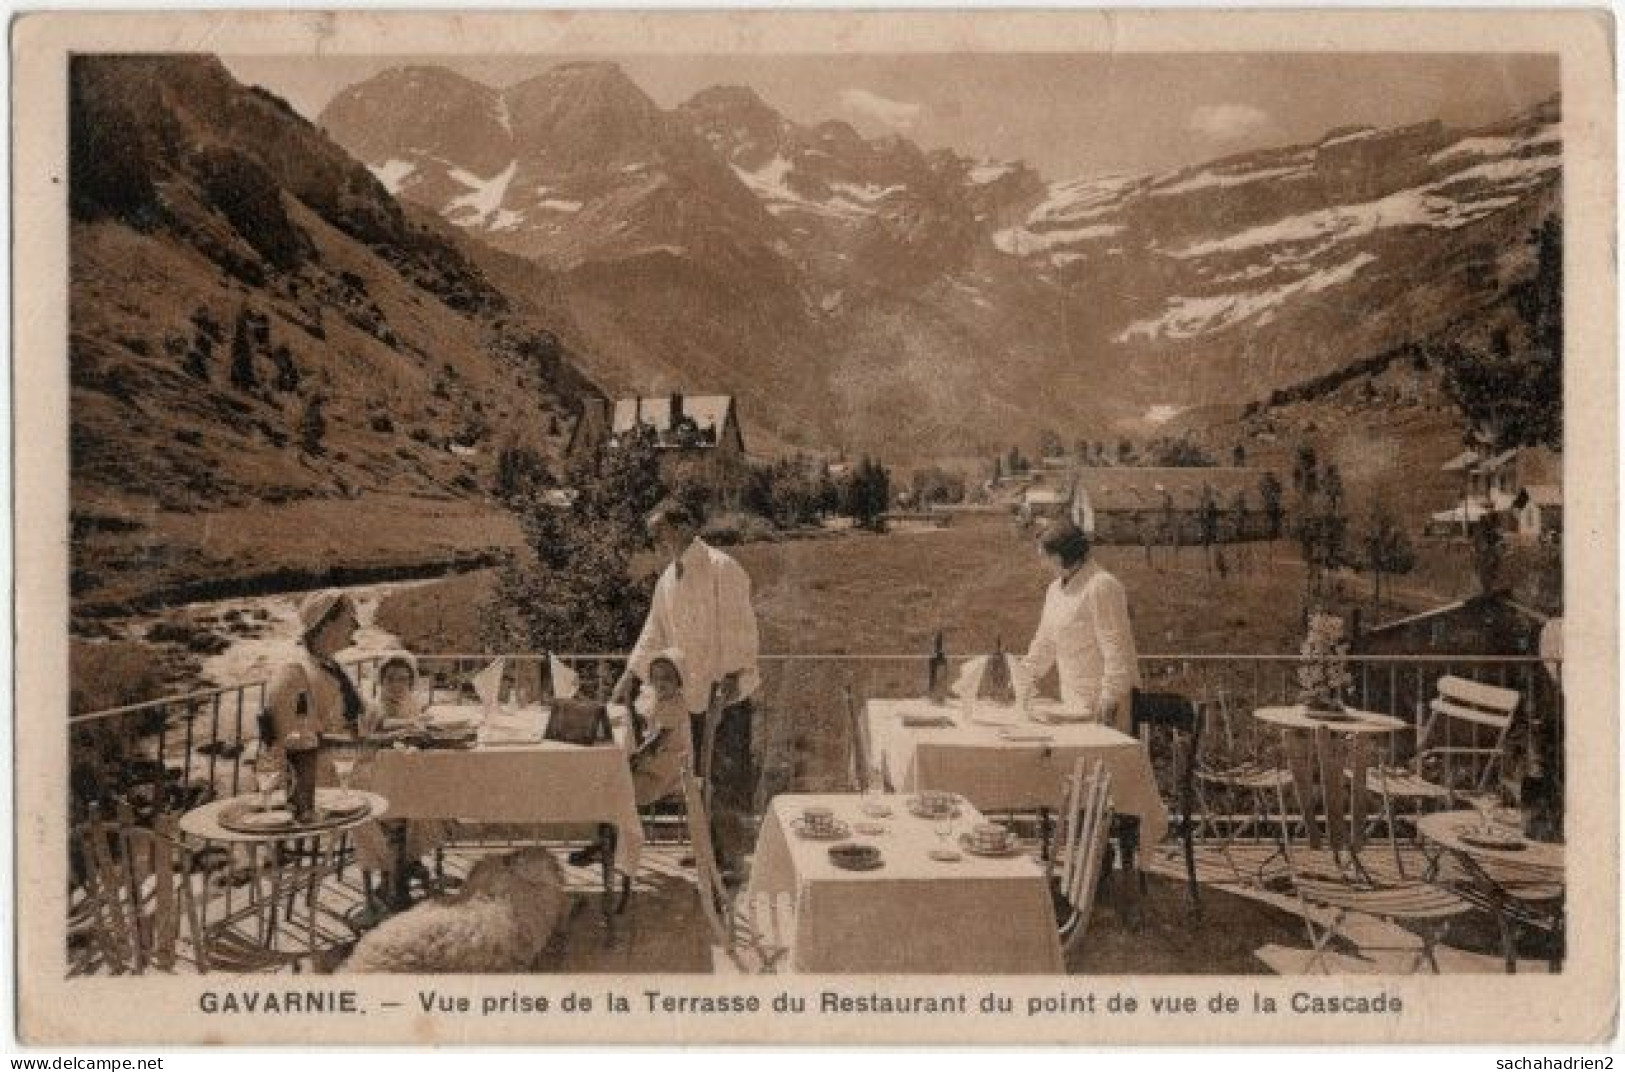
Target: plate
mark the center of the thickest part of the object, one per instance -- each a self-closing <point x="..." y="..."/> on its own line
<point x="1060" y="718"/>
<point x="836" y="832"/>
<point x="1495" y="840"/>
<point x="872" y="829"/>
<point x="1329" y="716"/>
<point x="877" y="809"/>
<point x="332" y="804"/>
<point x="275" y="819"/>
<point x="854" y="857"/>
<point x="1026" y="737"/>
<point x="929" y="722"/>
<point x="1011" y="847"/>
<point x="947" y="856"/>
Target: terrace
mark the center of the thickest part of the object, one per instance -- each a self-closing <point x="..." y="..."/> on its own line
<point x="176" y="753"/>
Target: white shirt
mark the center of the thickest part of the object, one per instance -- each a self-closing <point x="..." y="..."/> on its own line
<point x="704" y="609"/>
<point x="1085" y="633"/>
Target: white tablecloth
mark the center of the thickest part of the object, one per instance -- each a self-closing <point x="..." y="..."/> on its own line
<point x="996" y="774"/>
<point x="976" y="916"/>
<point x="546" y="784"/>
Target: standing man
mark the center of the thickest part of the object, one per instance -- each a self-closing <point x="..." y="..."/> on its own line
<point x="1085" y="631"/>
<point x="702" y="605"/>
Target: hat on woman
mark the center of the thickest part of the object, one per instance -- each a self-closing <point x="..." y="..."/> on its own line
<point x="316" y="608"/>
<point x="398" y="658"/>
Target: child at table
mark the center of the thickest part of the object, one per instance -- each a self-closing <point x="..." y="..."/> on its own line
<point x="381" y="845"/>
<point x="657" y="764"/>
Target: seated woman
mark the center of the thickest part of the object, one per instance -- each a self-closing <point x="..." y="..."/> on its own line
<point x="311" y="695"/>
<point x="380" y="845"/>
<point x="667" y="740"/>
<point x="657" y="764"/>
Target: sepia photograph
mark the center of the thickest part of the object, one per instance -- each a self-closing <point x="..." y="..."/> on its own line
<point x="644" y="528"/>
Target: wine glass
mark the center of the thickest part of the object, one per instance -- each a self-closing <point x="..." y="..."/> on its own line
<point x="268" y="774"/>
<point x="1484" y="801"/>
<point x="943" y="825"/>
<point x="344" y="757"/>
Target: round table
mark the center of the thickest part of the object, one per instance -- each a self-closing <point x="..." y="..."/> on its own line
<point x="1322" y="749"/>
<point x="1518" y="886"/>
<point x="286" y="867"/>
<point x="203" y="822"/>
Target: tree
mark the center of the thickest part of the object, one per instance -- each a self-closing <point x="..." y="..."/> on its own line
<point x="1125" y="452"/>
<point x="1207" y="520"/>
<point x="287" y="373"/>
<point x="1511" y="390"/>
<point x="313" y="427"/>
<point x="1489" y="552"/>
<point x="1238" y="455"/>
<point x="572" y="587"/>
<point x="1387" y="549"/>
<point x="1270" y="490"/>
<point x="1322" y="523"/>
<point x="243" y="376"/>
<point x="1049" y="444"/>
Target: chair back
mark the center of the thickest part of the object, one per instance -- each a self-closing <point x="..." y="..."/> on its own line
<point x="1178" y="715"/>
<point x="715" y="903"/>
<point x="1470" y="710"/>
<point x="1088" y="823"/>
<point x="857" y="729"/>
<point x="138" y="894"/>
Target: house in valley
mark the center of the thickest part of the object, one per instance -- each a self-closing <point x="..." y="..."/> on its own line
<point x="696" y="437"/>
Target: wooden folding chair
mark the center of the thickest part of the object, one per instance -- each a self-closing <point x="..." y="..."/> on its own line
<point x="1423" y="908"/>
<point x="865" y="774"/>
<point x="1087" y="830"/>
<point x="1238" y="776"/>
<point x="753" y="936"/>
<point x="137" y="896"/>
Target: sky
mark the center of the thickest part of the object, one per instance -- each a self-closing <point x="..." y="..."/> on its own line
<point x="1066" y="114"/>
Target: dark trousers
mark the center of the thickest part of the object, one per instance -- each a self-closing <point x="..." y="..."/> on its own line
<point x="733" y="779"/>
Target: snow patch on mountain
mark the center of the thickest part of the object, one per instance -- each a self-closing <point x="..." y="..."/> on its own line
<point x="768" y="183"/>
<point x="479" y="205"/>
<point x="1551" y="134"/>
<point x="1020" y="242"/>
<point x="1208" y="179"/>
<point x="393" y="174"/>
<point x="1073" y="200"/>
<point x="1349" y="136"/>
<point x="1185" y="318"/>
<point x="988" y="171"/>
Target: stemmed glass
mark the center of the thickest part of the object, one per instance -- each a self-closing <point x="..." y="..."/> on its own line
<point x="344" y="757"/>
<point x="1484" y="801"/>
<point x="943" y="825"/>
<point x="268" y="774"/>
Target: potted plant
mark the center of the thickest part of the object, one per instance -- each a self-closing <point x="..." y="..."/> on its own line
<point x="1323" y="672"/>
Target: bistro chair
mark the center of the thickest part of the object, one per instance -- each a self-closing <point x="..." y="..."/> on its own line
<point x="1087" y="829"/>
<point x="1176" y="715"/>
<point x="1330" y="896"/>
<point x="753" y="935"/>
<point x="136" y="899"/>
<point x="1440" y="767"/>
<point x="1253" y="790"/>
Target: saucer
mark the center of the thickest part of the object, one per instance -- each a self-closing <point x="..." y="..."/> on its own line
<point x="947" y="856"/>
<point x="1494" y="840"/>
<point x="877" y="810"/>
<point x="834" y="832"/>
<point x="872" y="829"/>
<point x="968" y="843"/>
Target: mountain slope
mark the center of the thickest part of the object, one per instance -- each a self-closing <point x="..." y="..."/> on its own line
<point x="254" y="320"/>
<point x="865" y="293"/>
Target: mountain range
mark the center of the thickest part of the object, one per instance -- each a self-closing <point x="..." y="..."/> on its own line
<point x="869" y="294"/>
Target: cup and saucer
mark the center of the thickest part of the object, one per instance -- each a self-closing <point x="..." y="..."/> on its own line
<point x="989" y="839"/>
<point x="933" y="804"/>
<point x="818" y="823"/>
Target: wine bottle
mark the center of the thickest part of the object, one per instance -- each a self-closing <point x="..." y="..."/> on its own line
<point x="936" y="672"/>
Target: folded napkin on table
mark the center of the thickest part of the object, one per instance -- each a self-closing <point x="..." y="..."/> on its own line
<point x="488" y="683"/>
<point x="565" y="681"/>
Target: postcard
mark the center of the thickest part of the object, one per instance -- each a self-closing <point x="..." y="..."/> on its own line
<point x="1035" y="527"/>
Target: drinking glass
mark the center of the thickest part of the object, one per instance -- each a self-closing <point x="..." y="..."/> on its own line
<point x="268" y="774"/>
<point x="943" y="825"/>
<point x="1483" y="801"/>
<point x="344" y="757"/>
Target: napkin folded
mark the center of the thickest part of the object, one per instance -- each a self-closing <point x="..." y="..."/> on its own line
<point x="969" y="681"/>
<point x="565" y="681"/>
<point x="488" y="683"/>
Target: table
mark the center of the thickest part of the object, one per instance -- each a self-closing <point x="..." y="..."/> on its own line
<point x="1508" y="881"/>
<point x="1337" y="755"/>
<point x="978" y="915"/>
<point x="284" y="864"/>
<point x="972" y="759"/>
<point x="549" y="783"/>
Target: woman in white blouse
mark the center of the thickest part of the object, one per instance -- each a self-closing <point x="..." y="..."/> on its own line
<point x="1085" y="631"/>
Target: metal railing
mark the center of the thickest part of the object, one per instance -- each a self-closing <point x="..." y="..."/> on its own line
<point x="175" y="752"/>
